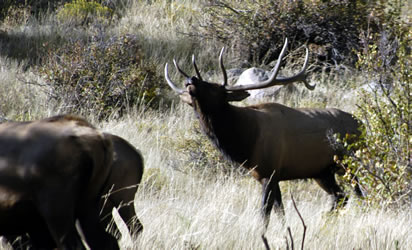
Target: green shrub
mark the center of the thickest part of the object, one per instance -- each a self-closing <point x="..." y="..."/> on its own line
<point x="101" y="76"/>
<point x="16" y="15"/>
<point x="83" y="12"/>
<point x="256" y="30"/>
<point x="381" y="159"/>
<point x="35" y="7"/>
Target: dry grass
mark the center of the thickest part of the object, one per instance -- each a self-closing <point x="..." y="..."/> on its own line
<point x="164" y="38"/>
<point x="18" y="99"/>
<point x="185" y="206"/>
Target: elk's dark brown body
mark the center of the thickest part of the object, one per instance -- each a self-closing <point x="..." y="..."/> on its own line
<point x="52" y="172"/>
<point x="274" y="141"/>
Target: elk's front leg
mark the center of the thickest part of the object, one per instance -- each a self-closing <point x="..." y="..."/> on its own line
<point x="271" y="198"/>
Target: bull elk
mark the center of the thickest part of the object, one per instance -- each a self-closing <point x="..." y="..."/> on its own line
<point x="273" y="141"/>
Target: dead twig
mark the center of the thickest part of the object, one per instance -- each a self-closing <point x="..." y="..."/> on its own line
<point x="287" y="243"/>
<point x="303" y="223"/>
<point x="265" y="241"/>
<point x="292" y="243"/>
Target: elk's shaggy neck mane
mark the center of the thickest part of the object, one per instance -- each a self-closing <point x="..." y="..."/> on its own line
<point x="230" y="131"/>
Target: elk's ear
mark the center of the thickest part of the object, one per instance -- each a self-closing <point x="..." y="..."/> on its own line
<point x="185" y="97"/>
<point x="236" y="96"/>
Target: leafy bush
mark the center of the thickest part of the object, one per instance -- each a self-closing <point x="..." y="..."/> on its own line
<point x="257" y="29"/>
<point x="83" y="12"/>
<point x="35" y="7"/>
<point x="16" y="15"/>
<point x="102" y="75"/>
<point x="382" y="157"/>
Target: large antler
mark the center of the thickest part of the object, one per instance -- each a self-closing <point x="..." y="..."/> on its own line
<point x="272" y="81"/>
<point x="196" y="69"/>
<point x="222" y="67"/>
<point x="171" y="84"/>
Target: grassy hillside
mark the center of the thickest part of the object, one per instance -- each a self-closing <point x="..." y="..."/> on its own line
<point x="190" y="197"/>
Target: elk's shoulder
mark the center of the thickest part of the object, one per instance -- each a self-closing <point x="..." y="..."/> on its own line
<point x="273" y="109"/>
<point x="269" y="107"/>
<point x="68" y="118"/>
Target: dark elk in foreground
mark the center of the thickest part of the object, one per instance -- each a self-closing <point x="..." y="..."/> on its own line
<point x="274" y="141"/>
<point x="52" y="172"/>
<point x="119" y="190"/>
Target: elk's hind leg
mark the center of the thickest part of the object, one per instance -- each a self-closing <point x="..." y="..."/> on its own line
<point x="128" y="215"/>
<point x="93" y="230"/>
<point x="358" y="191"/>
<point x="57" y="209"/>
<point x="328" y="183"/>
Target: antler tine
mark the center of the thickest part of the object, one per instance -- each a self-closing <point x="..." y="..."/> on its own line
<point x="170" y="83"/>
<point x="179" y="69"/>
<point x="301" y="76"/>
<point x="303" y="71"/>
<point x="277" y="66"/>
<point x="222" y="67"/>
<point x="196" y="69"/>
<point x="273" y="80"/>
